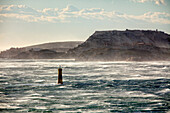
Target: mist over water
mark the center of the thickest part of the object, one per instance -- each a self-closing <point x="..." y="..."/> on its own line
<point x="31" y="86"/>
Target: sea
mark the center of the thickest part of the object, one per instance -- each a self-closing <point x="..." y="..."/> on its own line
<point x="88" y="87"/>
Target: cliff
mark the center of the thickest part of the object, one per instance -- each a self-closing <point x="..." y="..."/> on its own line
<point x="133" y="45"/>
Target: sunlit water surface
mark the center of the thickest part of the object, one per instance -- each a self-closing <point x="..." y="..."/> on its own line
<point x="31" y="86"/>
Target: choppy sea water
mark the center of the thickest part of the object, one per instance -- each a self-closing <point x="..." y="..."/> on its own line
<point x="31" y="86"/>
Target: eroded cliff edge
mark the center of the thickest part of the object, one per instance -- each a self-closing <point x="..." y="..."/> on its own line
<point x="128" y="45"/>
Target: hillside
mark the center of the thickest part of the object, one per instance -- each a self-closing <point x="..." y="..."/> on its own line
<point x="56" y="46"/>
<point x="133" y="45"/>
<point x="128" y="45"/>
<point x="41" y="51"/>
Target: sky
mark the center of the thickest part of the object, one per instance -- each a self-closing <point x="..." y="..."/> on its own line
<point x="30" y="22"/>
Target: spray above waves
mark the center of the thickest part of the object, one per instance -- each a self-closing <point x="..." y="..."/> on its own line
<point x="31" y="86"/>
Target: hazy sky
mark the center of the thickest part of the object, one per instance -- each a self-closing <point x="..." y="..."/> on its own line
<point x="28" y="22"/>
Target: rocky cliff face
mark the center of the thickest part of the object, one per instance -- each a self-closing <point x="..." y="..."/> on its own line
<point x="124" y="45"/>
